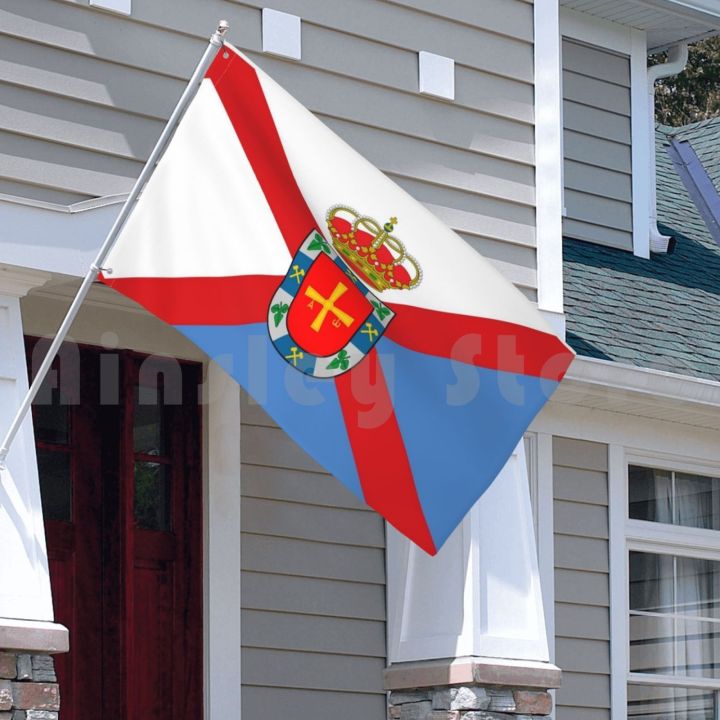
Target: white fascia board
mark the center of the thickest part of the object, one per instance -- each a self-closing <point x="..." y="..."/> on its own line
<point x="658" y="384"/>
<point x="61" y="239"/>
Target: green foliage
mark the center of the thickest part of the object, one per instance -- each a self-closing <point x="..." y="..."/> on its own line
<point x="694" y="94"/>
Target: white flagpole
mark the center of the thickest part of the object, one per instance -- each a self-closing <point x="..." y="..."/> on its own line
<point x="216" y="42"/>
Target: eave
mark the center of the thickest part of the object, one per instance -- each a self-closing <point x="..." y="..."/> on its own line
<point x="666" y="22"/>
<point x="642" y="392"/>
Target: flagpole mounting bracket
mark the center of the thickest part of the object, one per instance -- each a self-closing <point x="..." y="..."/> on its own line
<point x="218" y="39"/>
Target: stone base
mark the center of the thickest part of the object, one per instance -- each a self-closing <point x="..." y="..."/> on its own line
<point x="28" y="687"/>
<point x="469" y="703"/>
<point x="471" y="689"/>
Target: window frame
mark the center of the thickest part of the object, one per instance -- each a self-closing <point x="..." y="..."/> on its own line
<point x="628" y="535"/>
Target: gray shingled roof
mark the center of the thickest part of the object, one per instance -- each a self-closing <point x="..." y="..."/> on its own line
<point x="662" y="313"/>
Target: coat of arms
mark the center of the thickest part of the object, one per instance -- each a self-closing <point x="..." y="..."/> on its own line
<point x="323" y="319"/>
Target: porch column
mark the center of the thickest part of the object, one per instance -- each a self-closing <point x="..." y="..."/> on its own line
<point x="466" y="627"/>
<point x="27" y="631"/>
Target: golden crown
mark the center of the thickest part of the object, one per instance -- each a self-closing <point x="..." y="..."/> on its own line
<point x="371" y="251"/>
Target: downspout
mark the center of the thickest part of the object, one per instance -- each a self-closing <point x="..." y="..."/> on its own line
<point x="676" y="61"/>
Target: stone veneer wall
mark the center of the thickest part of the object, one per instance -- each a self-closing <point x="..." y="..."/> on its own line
<point x="28" y="687"/>
<point x="469" y="703"/>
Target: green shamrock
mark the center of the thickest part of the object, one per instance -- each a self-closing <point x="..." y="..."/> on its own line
<point x="340" y="361"/>
<point x="278" y="310"/>
<point x="319" y="243"/>
<point x="380" y="310"/>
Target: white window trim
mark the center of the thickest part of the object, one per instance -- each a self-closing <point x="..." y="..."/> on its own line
<point x="626" y="535"/>
<point x="619" y="596"/>
<point x="633" y="43"/>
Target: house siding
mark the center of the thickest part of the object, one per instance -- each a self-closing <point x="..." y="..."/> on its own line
<point x="313" y="585"/>
<point x="582" y="617"/>
<point x="86" y="93"/>
<point x="597" y="145"/>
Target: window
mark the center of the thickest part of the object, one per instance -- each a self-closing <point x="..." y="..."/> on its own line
<point x="673" y="545"/>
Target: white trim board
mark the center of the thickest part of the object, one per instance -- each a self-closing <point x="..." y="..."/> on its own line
<point x="544" y="509"/>
<point x="221" y="574"/>
<point x="548" y="156"/>
<point x="643" y="144"/>
<point x="595" y="31"/>
<point x="545" y="513"/>
<point x="617" y="516"/>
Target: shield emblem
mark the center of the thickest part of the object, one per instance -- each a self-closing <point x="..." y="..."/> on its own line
<point x="322" y="319"/>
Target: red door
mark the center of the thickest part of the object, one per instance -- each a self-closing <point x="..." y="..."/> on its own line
<point x="118" y="440"/>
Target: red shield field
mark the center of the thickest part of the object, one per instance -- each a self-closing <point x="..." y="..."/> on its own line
<point x="327" y="309"/>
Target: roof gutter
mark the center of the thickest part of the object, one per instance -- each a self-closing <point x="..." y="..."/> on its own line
<point x="634" y="380"/>
<point x="676" y="62"/>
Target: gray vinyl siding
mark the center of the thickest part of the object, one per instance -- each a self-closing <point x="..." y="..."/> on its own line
<point x="597" y="145"/>
<point x="313" y="586"/>
<point x="85" y="94"/>
<point x="582" y="617"/>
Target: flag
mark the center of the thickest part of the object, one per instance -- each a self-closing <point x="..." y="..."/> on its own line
<point x="382" y="343"/>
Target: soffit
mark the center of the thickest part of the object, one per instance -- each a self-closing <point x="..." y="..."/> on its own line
<point x="629" y="390"/>
<point x="666" y="21"/>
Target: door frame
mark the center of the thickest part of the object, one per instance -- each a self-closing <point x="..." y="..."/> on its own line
<point x="115" y="461"/>
<point x="222" y="476"/>
<point x="108" y="321"/>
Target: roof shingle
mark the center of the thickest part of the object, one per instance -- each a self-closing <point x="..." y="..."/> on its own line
<point x="661" y="313"/>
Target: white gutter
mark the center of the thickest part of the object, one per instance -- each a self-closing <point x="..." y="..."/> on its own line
<point x="605" y="374"/>
<point x="676" y="61"/>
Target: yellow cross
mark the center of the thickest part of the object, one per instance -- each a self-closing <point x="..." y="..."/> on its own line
<point x="294" y="356"/>
<point x="328" y="306"/>
<point x="297" y="274"/>
<point x="370" y="331"/>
